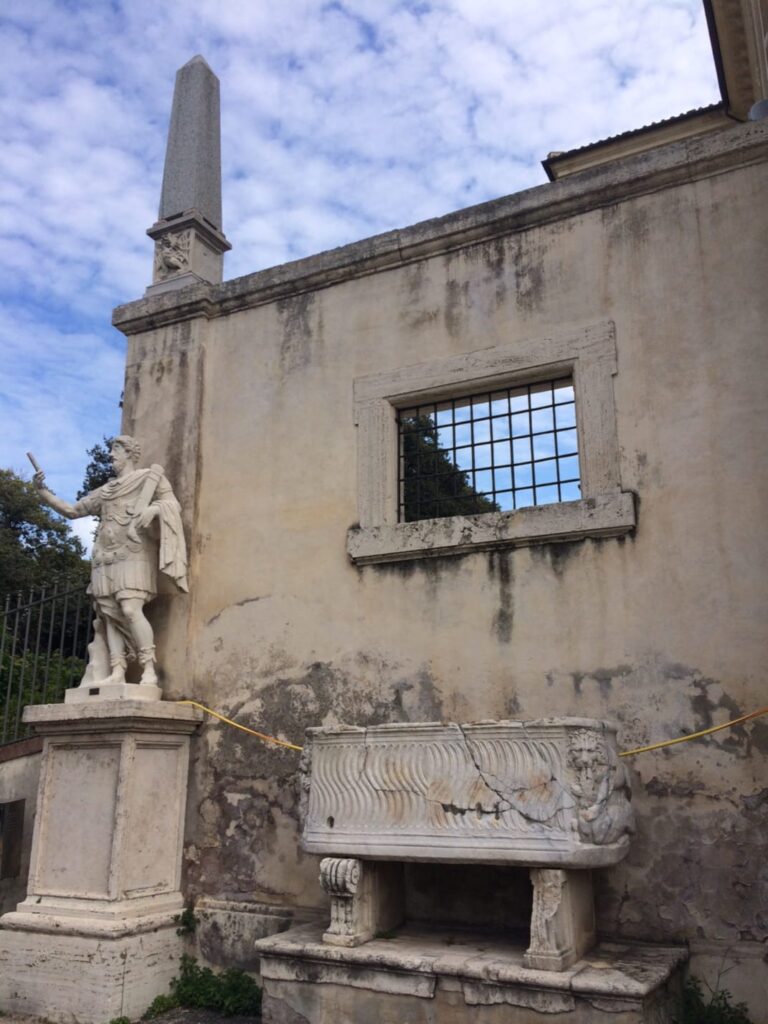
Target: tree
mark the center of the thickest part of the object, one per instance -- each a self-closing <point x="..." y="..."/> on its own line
<point x="99" y="469"/>
<point x="433" y="486"/>
<point x="37" y="547"/>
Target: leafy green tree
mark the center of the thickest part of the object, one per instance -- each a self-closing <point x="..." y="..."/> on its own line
<point x="433" y="486"/>
<point x="34" y="677"/>
<point x="37" y="547"/>
<point x="99" y="469"/>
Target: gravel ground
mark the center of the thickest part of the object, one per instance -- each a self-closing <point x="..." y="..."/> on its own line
<point x="180" y="1016"/>
<point x="183" y="1016"/>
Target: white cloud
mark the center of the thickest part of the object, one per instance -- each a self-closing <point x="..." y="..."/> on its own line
<point x="340" y="119"/>
<point x="59" y="394"/>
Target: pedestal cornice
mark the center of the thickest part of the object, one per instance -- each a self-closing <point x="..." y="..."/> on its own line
<point x="112" y="716"/>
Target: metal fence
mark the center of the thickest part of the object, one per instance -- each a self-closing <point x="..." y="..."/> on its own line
<point x="44" y="635"/>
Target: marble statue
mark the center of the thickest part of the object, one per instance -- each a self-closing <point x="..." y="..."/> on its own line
<point x="140" y="531"/>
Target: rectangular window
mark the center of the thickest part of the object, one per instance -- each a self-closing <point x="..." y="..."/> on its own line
<point x="495" y="451"/>
<point x="510" y="445"/>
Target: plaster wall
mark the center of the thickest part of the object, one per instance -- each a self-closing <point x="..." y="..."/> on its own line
<point x="251" y="412"/>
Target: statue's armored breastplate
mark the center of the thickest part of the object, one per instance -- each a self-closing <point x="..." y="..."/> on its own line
<point x="114" y="543"/>
<point x="119" y="511"/>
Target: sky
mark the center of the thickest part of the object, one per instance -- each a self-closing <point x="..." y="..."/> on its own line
<point x="339" y="120"/>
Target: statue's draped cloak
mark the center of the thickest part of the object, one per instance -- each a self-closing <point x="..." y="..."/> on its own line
<point x="125" y="559"/>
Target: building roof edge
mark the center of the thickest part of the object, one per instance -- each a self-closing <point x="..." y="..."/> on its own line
<point x="663" y="167"/>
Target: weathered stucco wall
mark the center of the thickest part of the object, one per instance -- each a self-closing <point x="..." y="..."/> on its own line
<point x="663" y="631"/>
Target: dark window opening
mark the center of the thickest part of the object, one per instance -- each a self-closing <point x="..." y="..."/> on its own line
<point x="11" y="832"/>
<point x="491" y="452"/>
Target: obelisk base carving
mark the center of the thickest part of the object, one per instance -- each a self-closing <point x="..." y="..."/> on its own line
<point x="188" y="250"/>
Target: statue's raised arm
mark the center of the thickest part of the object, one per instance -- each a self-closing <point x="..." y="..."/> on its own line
<point x="140" y="533"/>
<point x="56" y="503"/>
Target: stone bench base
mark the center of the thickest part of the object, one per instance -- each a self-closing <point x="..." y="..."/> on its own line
<point x="420" y="976"/>
<point x="367" y="899"/>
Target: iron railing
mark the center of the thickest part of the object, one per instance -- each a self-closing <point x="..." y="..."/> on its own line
<point x="44" y="635"/>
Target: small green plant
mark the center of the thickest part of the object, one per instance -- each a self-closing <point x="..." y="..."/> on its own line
<point x="714" y="1007"/>
<point x="231" y="993"/>
<point x="187" y="921"/>
<point x="117" y="1020"/>
<point x="159" y="1005"/>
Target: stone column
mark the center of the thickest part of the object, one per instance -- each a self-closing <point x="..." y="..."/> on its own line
<point x="366" y="898"/>
<point x="562" y="920"/>
<point x="189" y="241"/>
<point x="96" y="936"/>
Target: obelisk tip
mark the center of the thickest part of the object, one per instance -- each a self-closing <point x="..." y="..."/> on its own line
<point x="198" y="59"/>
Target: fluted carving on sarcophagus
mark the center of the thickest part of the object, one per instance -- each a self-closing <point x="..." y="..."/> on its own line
<point x="549" y="792"/>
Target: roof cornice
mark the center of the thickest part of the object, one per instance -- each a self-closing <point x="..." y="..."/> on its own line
<point x="651" y="171"/>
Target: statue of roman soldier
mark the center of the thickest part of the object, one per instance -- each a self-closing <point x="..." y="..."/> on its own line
<point x="140" y="533"/>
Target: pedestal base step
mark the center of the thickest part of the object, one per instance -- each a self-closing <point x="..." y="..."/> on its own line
<point x="111" y="691"/>
<point x="420" y="976"/>
<point x="86" y="979"/>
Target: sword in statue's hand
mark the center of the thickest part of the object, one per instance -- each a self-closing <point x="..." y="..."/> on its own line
<point x="144" y="500"/>
<point x="39" y="477"/>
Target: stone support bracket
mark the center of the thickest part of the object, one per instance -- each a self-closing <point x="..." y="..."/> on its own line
<point x="366" y="899"/>
<point x="562" y="918"/>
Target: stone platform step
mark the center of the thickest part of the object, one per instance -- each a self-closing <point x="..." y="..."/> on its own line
<point x="423" y="976"/>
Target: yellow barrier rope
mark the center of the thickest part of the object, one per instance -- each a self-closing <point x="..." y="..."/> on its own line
<point x="243" y="728"/>
<point x="625" y="753"/>
<point x="695" y="735"/>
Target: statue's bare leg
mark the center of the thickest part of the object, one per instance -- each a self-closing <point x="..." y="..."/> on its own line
<point x="143" y="637"/>
<point x="117" y="656"/>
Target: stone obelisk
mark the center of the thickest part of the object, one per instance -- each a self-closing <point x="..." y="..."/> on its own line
<point x="189" y="241"/>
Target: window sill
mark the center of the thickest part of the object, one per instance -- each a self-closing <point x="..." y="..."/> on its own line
<point x="606" y="515"/>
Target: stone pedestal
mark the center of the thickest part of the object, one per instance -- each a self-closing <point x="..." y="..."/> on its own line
<point x="188" y="250"/>
<point x="84" y="694"/>
<point x="96" y="936"/>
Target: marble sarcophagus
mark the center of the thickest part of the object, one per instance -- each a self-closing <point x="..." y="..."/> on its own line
<point x="549" y="794"/>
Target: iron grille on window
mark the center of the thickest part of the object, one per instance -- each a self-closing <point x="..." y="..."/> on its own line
<point x="490" y="452"/>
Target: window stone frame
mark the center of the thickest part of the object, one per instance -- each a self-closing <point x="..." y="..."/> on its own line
<point x="588" y="354"/>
